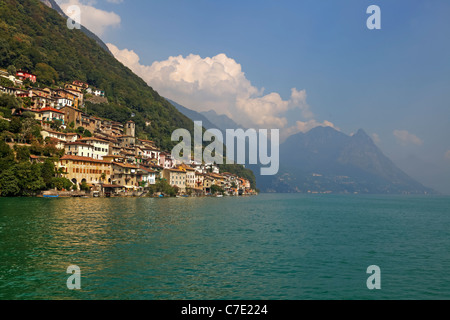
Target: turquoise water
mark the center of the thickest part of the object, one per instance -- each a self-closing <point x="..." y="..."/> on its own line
<point x="281" y="247"/>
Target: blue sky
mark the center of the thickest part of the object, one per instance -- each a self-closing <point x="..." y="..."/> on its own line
<point x="394" y="82"/>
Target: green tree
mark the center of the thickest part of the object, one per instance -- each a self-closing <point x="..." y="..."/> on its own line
<point x="84" y="187"/>
<point x="4" y="125"/>
<point x="15" y="126"/>
<point x="29" y="178"/>
<point x="12" y="70"/>
<point x="22" y="153"/>
<point x="46" y="74"/>
<point x="80" y="130"/>
<point x="6" y="156"/>
<point x="6" y="82"/>
<point x="87" y="134"/>
<point x="48" y="172"/>
<point x="8" y="102"/>
<point x="216" y="189"/>
<point x="9" y="184"/>
<point x="61" y="183"/>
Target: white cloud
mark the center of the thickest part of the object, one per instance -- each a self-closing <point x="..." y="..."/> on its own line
<point x="376" y="138"/>
<point x="94" y="19"/>
<point x="404" y="138"/>
<point x="447" y="155"/>
<point x="218" y="83"/>
<point x="304" y="126"/>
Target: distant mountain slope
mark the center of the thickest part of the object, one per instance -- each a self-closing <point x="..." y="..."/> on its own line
<point x="194" y="115"/>
<point x="221" y="121"/>
<point x="36" y="38"/>
<point x="52" y="4"/>
<point x="326" y="160"/>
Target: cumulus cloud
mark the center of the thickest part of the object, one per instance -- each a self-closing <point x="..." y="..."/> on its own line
<point x="94" y="19"/>
<point x="218" y="83"/>
<point x="404" y="138"/>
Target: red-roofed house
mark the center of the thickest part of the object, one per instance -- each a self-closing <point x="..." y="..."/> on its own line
<point x="22" y="75"/>
<point x="50" y="114"/>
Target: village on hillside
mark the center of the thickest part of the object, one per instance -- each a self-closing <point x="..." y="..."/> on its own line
<point x="104" y="155"/>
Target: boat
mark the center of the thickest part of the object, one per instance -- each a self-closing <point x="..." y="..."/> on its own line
<point x="50" y="196"/>
<point x="219" y="196"/>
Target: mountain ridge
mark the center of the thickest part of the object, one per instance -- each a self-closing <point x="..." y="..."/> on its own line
<point x="326" y="160"/>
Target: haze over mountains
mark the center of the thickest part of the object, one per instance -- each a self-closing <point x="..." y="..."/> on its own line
<point x="326" y="160"/>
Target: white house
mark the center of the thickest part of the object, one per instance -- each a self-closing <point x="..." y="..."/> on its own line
<point x="67" y="137"/>
<point x="80" y="149"/>
<point x="98" y="93"/>
<point x="148" y="176"/>
<point x="62" y="102"/>
<point x="151" y="153"/>
<point x="101" y="147"/>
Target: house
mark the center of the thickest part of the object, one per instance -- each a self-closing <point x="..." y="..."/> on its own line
<point x="83" y="169"/>
<point x="175" y="177"/>
<point x="81" y="149"/>
<point x="148" y="175"/>
<point x="190" y="176"/>
<point x="101" y="147"/>
<point x="151" y="153"/>
<point x="50" y="114"/>
<point x="126" y="141"/>
<point x="125" y="174"/>
<point x="63" y="93"/>
<point x="166" y="160"/>
<point x="66" y="137"/>
<point x="80" y="84"/>
<point x="208" y="181"/>
<point x="62" y="102"/>
<point x="72" y="114"/>
<point x="22" y="75"/>
<point x="75" y="90"/>
<point x="98" y="93"/>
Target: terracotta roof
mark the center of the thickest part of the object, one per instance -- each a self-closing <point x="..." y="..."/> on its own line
<point x="93" y="139"/>
<point x="148" y="170"/>
<point x="175" y="170"/>
<point x="125" y="165"/>
<point x="50" y="109"/>
<point x="78" y="144"/>
<point x="78" y="158"/>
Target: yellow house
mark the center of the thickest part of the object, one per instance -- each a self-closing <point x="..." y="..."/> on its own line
<point x="175" y="177"/>
<point x="83" y="169"/>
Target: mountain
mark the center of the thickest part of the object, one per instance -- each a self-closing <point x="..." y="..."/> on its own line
<point x="221" y="121"/>
<point x="326" y="160"/>
<point x="193" y="115"/>
<point x="35" y="37"/>
<point x="52" y="4"/>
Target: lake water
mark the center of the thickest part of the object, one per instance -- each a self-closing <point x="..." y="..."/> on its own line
<point x="271" y="246"/>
